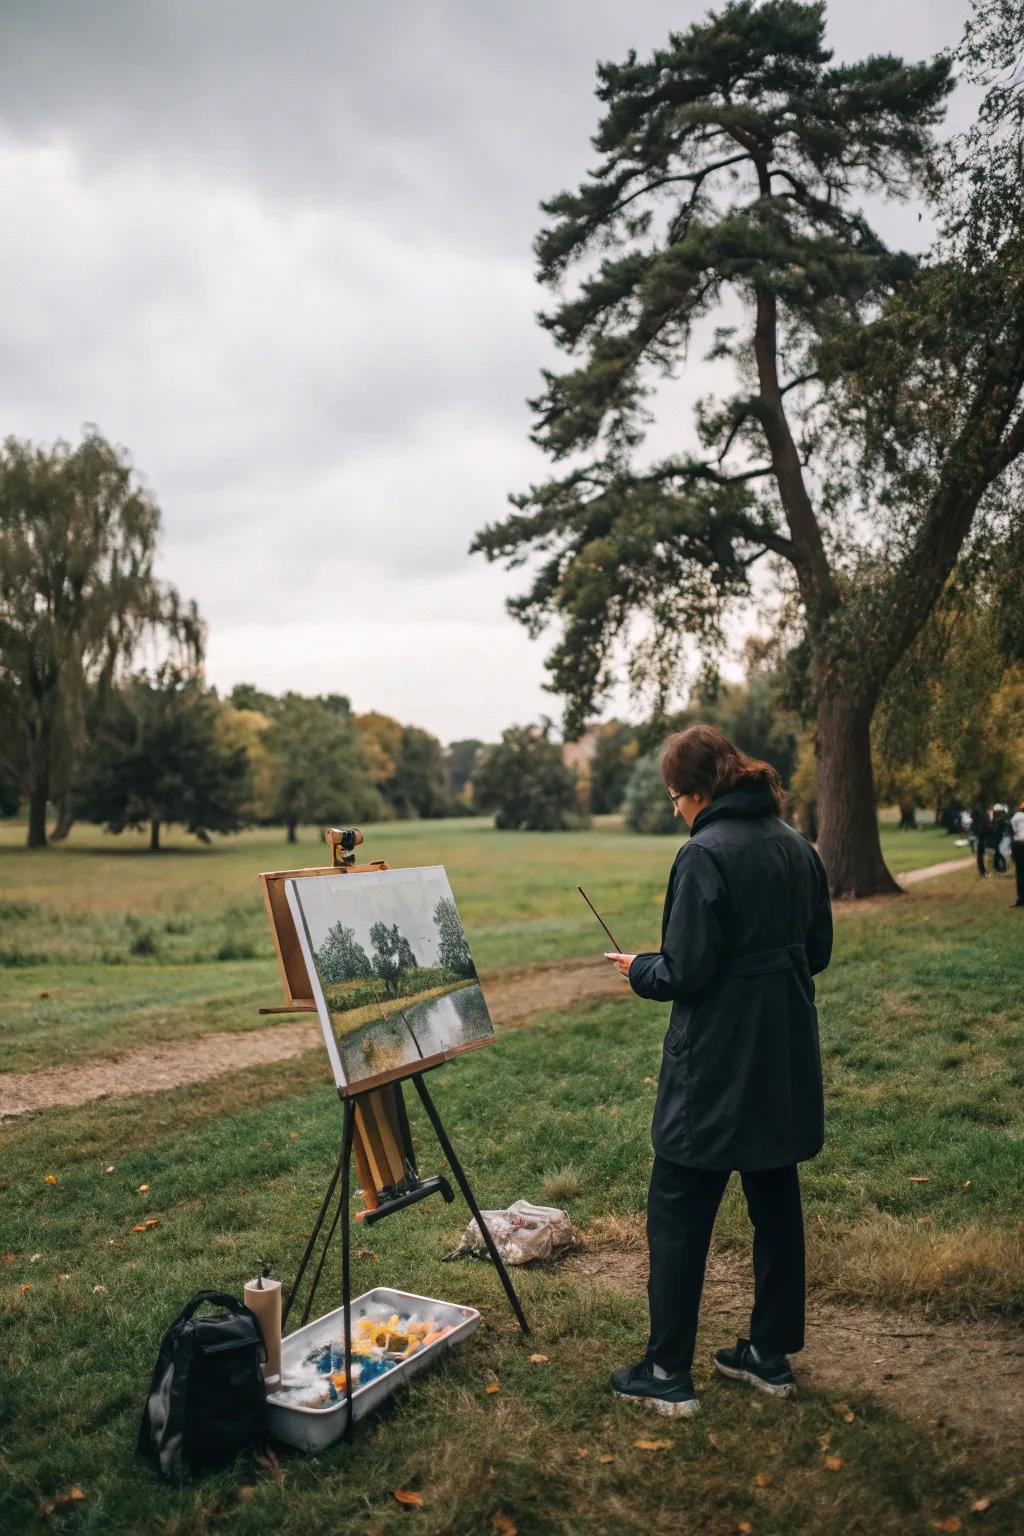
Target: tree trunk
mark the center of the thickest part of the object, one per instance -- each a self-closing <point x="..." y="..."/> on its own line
<point x="291" y="832"/>
<point x="65" y="820"/>
<point x="154" y="836"/>
<point x="848" y="817"/>
<point x="37" y="801"/>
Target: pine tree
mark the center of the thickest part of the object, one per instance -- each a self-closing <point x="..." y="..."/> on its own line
<point x="878" y="399"/>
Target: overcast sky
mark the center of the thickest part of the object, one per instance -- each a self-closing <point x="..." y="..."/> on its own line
<point x="282" y="252"/>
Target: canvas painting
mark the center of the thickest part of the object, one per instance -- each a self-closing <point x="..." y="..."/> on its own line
<point x="390" y="967"/>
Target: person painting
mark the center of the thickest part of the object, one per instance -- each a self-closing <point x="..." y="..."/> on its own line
<point x="747" y="923"/>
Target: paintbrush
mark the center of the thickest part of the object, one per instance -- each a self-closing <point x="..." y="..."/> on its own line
<point x="615" y="943"/>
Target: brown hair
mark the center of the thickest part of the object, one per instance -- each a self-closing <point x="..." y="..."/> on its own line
<point x="703" y="761"/>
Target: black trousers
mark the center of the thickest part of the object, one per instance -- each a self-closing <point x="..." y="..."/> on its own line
<point x="681" y="1208"/>
<point x="1018" y="868"/>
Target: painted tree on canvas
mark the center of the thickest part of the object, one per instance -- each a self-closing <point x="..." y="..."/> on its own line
<point x="341" y="957"/>
<point x="392" y="954"/>
<point x="453" y="946"/>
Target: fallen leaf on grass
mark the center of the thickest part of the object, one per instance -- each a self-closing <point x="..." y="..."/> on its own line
<point x="979" y="1506"/>
<point x="582" y="1452"/>
<point x="51" y="1178"/>
<point x="825" y="1440"/>
<point x="967" y="1183"/>
<point x="763" y="1479"/>
<point x="153" y="1222"/>
<point x="841" y="1407"/>
<point x="408" y="1497"/>
<point x="606" y="1458"/>
<point x="63" y="1277"/>
<point x="245" y="1493"/>
<point x="109" y="1168"/>
<point x="849" y="1417"/>
<point x="920" y="1178"/>
<point x="648" y="1082"/>
<point x="99" y="1290"/>
<point x="652" y="1445"/>
<point x="143" y="1189"/>
<point x="293" y="1135"/>
<point x="74" y="1495"/>
<point x="833" y="1463"/>
<point x="492" y="1386"/>
<point x="24" y="1287"/>
<point x="504" y="1526"/>
<point x="744" y="1526"/>
<point x="139" y="1227"/>
<point x="538" y="1359"/>
<point x="951" y="1523"/>
<point x="712" y="1439"/>
<point x="8" y="1258"/>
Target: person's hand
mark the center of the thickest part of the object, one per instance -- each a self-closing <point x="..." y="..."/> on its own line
<point x="621" y="963"/>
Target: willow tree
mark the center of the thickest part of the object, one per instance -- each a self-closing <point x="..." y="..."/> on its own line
<point x="77" y="591"/>
<point x="735" y="167"/>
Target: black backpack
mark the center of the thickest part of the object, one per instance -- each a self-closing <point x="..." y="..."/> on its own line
<point x="207" y="1401"/>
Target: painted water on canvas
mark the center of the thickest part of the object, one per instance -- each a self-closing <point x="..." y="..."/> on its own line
<point x="391" y="968"/>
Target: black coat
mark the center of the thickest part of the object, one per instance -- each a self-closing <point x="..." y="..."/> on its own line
<point x="747" y="923"/>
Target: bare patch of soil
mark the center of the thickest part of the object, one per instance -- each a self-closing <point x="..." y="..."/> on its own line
<point x="968" y="1376"/>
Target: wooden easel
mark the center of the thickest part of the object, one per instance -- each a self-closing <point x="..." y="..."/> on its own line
<point x="375" y="1125"/>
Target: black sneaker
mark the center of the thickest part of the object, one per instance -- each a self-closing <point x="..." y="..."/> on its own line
<point x="672" y="1396"/>
<point x="771" y="1376"/>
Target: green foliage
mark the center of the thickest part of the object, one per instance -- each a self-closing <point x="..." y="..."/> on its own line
<point x="157" y="758"/>
<point x="77" y="591"/>
<point x="524" y="781"/>
<point x="648" y="807"/>
<point x="367" y="992"/>
<point x="392" y="954"/>
<point x="317" y="768"/>
<point x="453" y="946"/>
<point x="462" y="757"/>
<point x="341" y="957"/>
<point x="614" y="756"/>
<point x="732" y="164"/>
<point x="420" y="785"/>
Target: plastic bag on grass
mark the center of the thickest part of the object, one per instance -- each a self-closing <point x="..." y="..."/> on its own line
<point x="522" y="1232"/>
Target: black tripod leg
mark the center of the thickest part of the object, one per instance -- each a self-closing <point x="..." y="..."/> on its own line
<point x="463" y="1183"/>
<point x="317" y="1227"/>
<point x="346" y="1272"/>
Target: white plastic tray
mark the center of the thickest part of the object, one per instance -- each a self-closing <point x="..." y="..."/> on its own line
<point x="310" y="1429"/>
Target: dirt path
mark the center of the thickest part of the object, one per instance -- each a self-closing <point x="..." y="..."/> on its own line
<point x="913" y="876"/>
<point x="513" y="997"/>
<point x="968" y="1375"/>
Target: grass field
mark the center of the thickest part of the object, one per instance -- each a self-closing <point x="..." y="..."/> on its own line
<point x="924" y="1062"/>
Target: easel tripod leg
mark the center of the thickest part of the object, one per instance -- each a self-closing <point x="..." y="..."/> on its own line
<point x="463" y="1183"/>
<point x="317" y="1227"/>
<point x="346" y="1270"/>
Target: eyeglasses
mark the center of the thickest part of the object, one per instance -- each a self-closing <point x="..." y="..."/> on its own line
<point x="676" y="797"/>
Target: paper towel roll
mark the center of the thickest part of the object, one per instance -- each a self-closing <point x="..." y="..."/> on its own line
<point x="263" y="1298"/>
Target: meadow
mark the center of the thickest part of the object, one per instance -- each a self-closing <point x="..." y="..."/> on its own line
<point x="914" y="1208"/>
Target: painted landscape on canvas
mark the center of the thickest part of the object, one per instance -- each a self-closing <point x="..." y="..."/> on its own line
<point x="396" y="979"/>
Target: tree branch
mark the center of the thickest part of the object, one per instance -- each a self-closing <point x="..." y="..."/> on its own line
<point x="666" y="181"/>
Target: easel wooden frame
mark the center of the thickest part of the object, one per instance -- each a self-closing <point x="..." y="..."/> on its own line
<point x="375" y="1124"/>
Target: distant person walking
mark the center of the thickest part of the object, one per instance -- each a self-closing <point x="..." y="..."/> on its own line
<point x="1017" y="850"/>
<point x="999" y="832"/>
<point x="979" y="831"/>
<point x="747" y="923"/>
